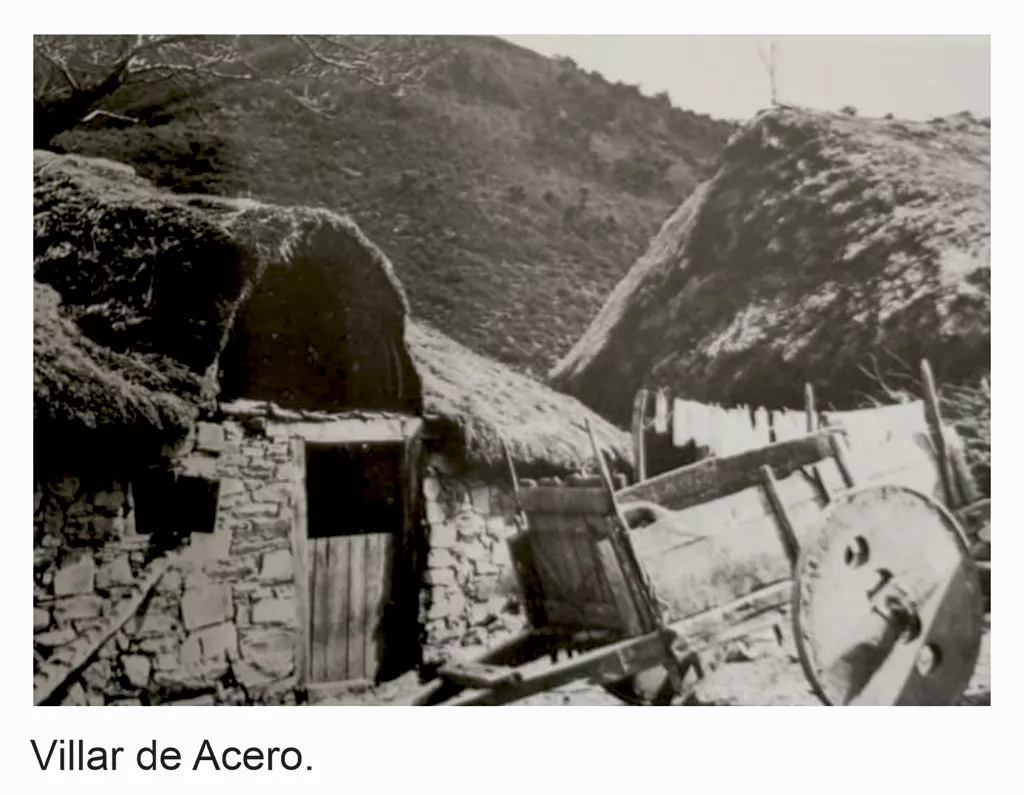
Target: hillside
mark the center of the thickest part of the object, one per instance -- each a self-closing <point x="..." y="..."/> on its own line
<point x="827" y="248"/>
<point x="512" y="191"/>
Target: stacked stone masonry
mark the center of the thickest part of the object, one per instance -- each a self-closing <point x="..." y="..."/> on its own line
<point x="220" y="623"/>
<point x="470" y="601"/>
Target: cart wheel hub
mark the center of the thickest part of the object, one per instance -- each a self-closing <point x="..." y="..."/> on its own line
<point x="887" y="602"/>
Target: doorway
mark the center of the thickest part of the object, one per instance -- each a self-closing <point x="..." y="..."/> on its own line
<point x="361" y="513"/>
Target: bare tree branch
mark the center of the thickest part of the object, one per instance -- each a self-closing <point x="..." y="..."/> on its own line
<point x="75" y="75"/>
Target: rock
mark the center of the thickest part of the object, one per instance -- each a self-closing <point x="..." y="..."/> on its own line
<point x="258" y="510"/>
<point x="136" y="670"/>
<point x="274" y="611"/>
<point x="53" y="519"/>
<point x="277" y="566"/>
<point x="98" y="674"/>
<point x="249" y="676"/>
<point x="209" y="437"/>
<point x="270" y="648"/>
<point x="75" y="696"/>
<point x="435" y="514"/>
<point x="431" y="488"/>
<point x="67" y="489"/>
<point x="202" y="607"/>
<point x="469" y="525"/>
<point x="445" y="576"/>
<point x="443" y="535"/>
<point x="111" y="502"/>
<point x="55" y="638"/>
<point x="156" y="622"/>
<point x="474" y="551"/>
<point x="76" y="607"/>
<point x="198" y="701"/>
<point x="117" y="572"/>
<point x="40" y="619"/>
<point x="499" y="529"/>
<point x="75" y="578"/>
<point x="218" y="642"/>
<point x="125" y="702"/>
<point x="170" y="582"/>
<point x="481" y="498"/>
<point x="441" y="558"/>
<point x="159" y="644"/>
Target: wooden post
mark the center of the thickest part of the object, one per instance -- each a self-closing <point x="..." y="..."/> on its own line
<point x="933" y="415"/>
<point x="631" y="566"/>
<point x="639" y="420"/>
<point x="812" y="415"/>
<point x="787" y="533"/>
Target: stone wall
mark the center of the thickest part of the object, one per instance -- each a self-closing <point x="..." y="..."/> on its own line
<point x="220" y="624"/>
<point x="470" y="600"/>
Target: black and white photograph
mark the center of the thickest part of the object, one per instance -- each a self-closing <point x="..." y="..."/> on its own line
<point x="531" y="370"/>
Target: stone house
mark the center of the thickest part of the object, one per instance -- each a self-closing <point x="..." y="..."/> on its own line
<point x="314" y="494"/>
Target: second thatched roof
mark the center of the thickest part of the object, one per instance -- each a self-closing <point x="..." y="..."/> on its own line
<point x="826" y="245"/>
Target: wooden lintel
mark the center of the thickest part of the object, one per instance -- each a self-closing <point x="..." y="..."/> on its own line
<point x="714" y="478"/>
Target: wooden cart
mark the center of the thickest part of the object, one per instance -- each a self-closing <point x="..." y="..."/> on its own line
<point x="622" y="590"/>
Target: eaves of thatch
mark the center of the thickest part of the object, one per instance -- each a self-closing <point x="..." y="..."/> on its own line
<point x="484" y="401"/>
<point x="827" y="247"/>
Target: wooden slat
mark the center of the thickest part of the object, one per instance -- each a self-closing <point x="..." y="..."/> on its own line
<point x="787" y="533"/>
<point x="357" y="607"/>
<point x="320" y="596"/>
<point x="473" y="674"/>
<point x="720" y="477"/>
<point x="565" y="500"/>
<point x="628" y="615"/>
<point x="335" y="608"/>
<point x="300" y="562"/>
<point x="378" y="580"/>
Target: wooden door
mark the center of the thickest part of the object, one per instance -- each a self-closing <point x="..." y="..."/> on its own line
<point x="356" y="523"/>
<point x="348" y="587"/>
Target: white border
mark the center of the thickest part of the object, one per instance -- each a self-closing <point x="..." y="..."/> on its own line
<point x="547" y="750"/>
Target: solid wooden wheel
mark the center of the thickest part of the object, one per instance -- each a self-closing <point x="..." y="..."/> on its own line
<point x="887" y="605"/>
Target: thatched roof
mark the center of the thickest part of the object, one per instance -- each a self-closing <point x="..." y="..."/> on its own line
<point x="170" y="299"/>
<point x="485" y="401"/>
<point x="824" y="242"/>
<point x="80" y="383"/>
<point x="289" y="304"/>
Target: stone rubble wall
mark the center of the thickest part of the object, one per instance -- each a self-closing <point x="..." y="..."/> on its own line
<point x="470" y="601"/>
<point x="220" y="625"/>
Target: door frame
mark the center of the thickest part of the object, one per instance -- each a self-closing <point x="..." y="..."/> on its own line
<point x="402" y="430"/>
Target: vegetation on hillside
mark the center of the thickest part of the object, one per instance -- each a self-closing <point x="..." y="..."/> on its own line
<point x="511" y="191"/>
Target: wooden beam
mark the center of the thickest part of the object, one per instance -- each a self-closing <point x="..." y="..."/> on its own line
<point x="568" y="500"/>
<point x="639" y="448"/>
<point x="54" y="675"/>
<point x="714" y="478"/>
<point x="933" y="414"/>
<point x="787" y="534"/>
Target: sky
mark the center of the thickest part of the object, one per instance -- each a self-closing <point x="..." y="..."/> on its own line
<point x="913" y="77"/>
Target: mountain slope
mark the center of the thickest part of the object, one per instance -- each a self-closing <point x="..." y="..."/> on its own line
<point x="512" y="191"/>
<point x="824" y="244"/>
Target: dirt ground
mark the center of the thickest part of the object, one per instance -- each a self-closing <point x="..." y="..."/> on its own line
<point x="757" y="673"/>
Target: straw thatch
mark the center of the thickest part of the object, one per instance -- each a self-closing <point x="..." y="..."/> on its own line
<point x="486" y="401"/>
<point x="169" y="299"/>
<point x="81" y="384"/>
<point x="824" y="243"/>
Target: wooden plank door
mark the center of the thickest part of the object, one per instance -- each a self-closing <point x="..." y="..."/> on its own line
<point x="348" y="589"/>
